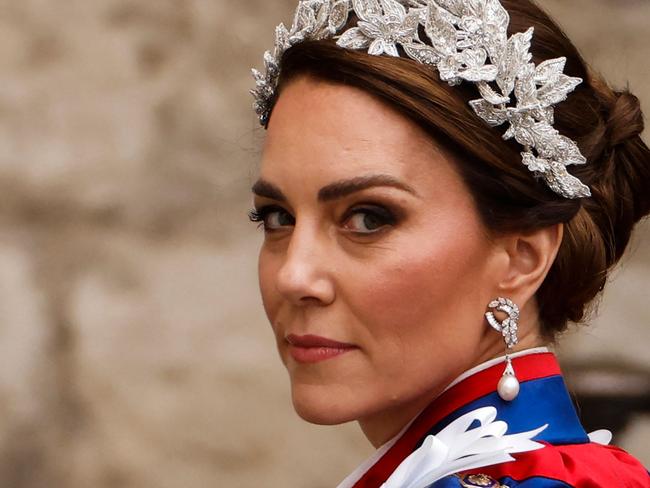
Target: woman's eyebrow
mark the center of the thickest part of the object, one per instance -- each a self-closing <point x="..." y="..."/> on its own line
<point x="267" y="189"/>
<point x="336" y="190"/>
<point x="342" y="188"/>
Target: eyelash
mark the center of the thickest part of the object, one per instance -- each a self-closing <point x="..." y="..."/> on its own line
<point x="259" y="215"/>
<point x="384" y="215"/>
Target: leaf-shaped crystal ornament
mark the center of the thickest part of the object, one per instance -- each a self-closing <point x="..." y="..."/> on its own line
<point x="466" y="41"/>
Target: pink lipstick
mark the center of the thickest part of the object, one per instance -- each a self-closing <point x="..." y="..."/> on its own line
<point x="312" y="349"/>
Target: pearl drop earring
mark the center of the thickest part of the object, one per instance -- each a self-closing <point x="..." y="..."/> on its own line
<point x="508" y="387"/>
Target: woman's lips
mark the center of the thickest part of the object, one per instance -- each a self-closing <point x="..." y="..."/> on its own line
<point x="312" y="349"/>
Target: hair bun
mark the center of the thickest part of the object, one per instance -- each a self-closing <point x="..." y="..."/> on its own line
<point x="625" y="176"/>
<point x="625" y="118"/>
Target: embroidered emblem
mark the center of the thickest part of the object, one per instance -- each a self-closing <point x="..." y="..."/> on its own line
<point x="480" y="481"/>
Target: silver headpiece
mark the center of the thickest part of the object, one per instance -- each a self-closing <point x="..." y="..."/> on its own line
<point x="467" y="41"/>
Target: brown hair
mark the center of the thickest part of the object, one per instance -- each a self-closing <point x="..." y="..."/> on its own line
<point x="606" y="124"/>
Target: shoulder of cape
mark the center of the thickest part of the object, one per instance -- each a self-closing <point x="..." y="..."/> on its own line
<point x="562" y="466"/>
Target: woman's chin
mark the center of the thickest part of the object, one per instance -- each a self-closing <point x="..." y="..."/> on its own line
<point x="323" y="408"/>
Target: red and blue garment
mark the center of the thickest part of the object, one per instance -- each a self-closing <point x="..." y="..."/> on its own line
<point x="568" y="459"/>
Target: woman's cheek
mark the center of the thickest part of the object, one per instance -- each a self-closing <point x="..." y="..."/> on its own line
<point x="267" y="272"/>
<point x="404" y="291"/>
<point x="407" y="304"/>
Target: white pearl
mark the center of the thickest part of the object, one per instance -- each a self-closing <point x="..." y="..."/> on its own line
<point x="508" y="387"/>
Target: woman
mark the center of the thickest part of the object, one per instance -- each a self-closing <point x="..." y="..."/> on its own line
<point x="410" y="240"/>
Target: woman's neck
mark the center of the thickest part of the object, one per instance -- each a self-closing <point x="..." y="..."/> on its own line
<point x="383" y="426"/>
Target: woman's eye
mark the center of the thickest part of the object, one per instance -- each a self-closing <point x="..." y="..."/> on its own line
<point x="368" y="221"/>
<point x="272" y="217"/>
<point x="358" y="220"/>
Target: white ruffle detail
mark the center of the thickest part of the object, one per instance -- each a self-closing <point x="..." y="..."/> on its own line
<point x="456" y="449"/>
<point x="601" y="436"/>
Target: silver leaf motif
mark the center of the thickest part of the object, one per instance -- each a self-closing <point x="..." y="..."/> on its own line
<point x="366" y="9"/>
<point x="282" y="37"/>
<point x="526" y="89"/>
<point x="488" y="112"/>
<point x="354" y="39"/>
<point x="441" y="31"/>
<point x="474" y="67"/>
<point x="466" y="41"/>
<point x="305" y="17"/>
<point x="422" y="53"/>
<point x="515" y="58"/>
<point x="548" y="71"/>
<point x="391" y="7"/>
<point x="338" y="16"/>
<point x="454" y="7"/>
<point x="557" y="91"/>
<point x="491" y="95"/>
<point x="271" y="64"/>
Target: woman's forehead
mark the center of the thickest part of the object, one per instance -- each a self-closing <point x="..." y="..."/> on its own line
<point x="345" y="115"/>
<point x="336" y="132"/>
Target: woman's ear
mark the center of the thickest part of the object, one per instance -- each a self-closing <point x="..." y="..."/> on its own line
<point x="530" y="257"/>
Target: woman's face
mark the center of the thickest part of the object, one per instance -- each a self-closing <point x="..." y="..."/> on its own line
<point x="375" y="270"/>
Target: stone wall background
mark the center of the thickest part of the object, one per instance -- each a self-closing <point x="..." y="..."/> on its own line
<point x="134" y="351"/>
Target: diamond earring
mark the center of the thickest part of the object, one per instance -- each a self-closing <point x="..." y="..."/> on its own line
<point x="508" y="387"/>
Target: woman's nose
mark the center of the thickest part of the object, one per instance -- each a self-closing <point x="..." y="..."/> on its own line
<point x="305" y="274"/>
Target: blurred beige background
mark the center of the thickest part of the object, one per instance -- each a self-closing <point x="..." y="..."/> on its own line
<point x="134" y="351"/>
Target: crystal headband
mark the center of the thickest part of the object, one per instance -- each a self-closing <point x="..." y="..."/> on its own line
<point x="468" y="41"/>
